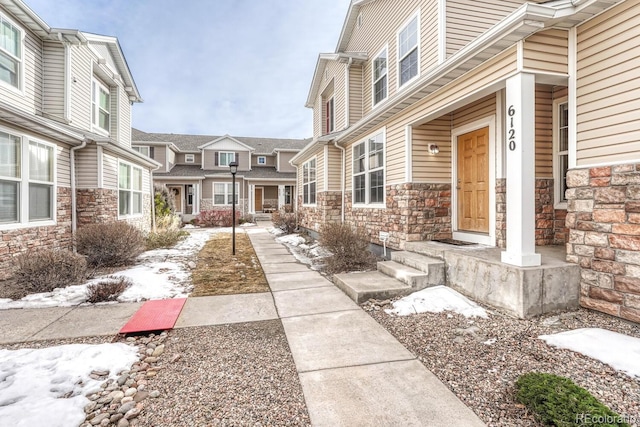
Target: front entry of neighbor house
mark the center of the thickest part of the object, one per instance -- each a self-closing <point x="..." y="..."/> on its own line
<point x="472" y="182"/>
<point x="177" y="198"/>
<point x="259" y="197"/>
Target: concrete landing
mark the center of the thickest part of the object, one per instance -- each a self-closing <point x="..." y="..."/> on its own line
<point x="362" y="286"/>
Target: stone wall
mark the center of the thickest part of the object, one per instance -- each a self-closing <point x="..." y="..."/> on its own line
<point x="328" y="208"/>
<point x="603" y="219"/>
<point x="207" y="205"/>
<point x="143" y="222"/>
<point x="96" y="205"/>
<point x="22" y="240"/>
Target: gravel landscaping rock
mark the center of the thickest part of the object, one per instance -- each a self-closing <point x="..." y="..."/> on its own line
<point x="480" y="359"/>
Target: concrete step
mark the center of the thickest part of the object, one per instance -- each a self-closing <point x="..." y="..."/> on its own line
<point x="362" y="286"/>
<point x="430" y="249"/>
<point x="415" y="278"/>
<point x="433" y="267"/>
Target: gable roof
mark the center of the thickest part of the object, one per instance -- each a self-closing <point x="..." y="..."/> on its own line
<point x="192" y="143"/>
<point x="225" y="137"/>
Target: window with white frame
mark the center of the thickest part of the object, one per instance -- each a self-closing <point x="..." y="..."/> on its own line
<point x="223" y="193"/>
<point x="225" y="158"/>
<point x="262" y="160"/>
<point x="329" y="116"/>
<point x="368" y="171"/>
<point x="27" y="183"/>
<point x="10" y="53"/>
<point x="408" y="55"/>
<point x="561" y="151"/>
<point x="100" y="106"/>
<point x="189" y="158"/>
<point x="145" y="150"/>
<point x="380" y="77"/>
<point x="309" y="182"/>
<point x="129" y="190"/>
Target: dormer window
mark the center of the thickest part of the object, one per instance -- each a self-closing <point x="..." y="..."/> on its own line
<point x="408" y="51"/>
<point x="224" y="158"/>
<point x="262" y="160"/>
<point x="10" y="53"/>
<point x="100" y="104"/>
<point x="189" y="158"/>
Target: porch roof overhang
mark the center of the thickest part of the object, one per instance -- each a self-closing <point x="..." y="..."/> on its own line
<point x="321" y="140"/>
<point x="51" y="128"/>
<point x="125" y="152"/>
<point x="523" y="22"/>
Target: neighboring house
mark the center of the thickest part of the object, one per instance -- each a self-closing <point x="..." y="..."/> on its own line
<point x="196" y="169"/>
<point x="432" y="114"/>
<point x="65" y="135"/>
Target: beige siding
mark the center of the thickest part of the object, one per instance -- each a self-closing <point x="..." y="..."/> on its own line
<point x="180" y="159"/>
<point x="54" y="78"/>
<point x="335" y="166"/>
<point x="317" y="152"/>
<point x="544" y="131"/>
<point x="427" y="167"/>
<point x="467" y="19"/>
<point x="317" y="117"/>
<point x="270" y="160"/>
<point x="208" y="163"/>
<point x="320" y="172"/>
<point x="124" y="118"/>
<point x="114" y="119"/>
<point x="333" y="85"/>
<point x="62" y="165"/>
<point x="480" y="109"/>
<point x="355" y="94"/>
<point x="81" y="72"/>
<point x="171" y="158"/>
<point x="109" y="171"/>
<point x="547" y="51"/>
<point x="87" y="167"/>
<point x="608" y="95"/>
<point x="160" y="156"/>
<point x="284" y="165"/>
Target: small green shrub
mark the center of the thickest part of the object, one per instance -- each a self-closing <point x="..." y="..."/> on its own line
<point x="285" y="221"/>
<point x="558" y="401"/>
<point x="164" y="238"/>
<point x="349" y="248"/>
<point x="45" y="270"/>
<point x="110" y="244"/>
<point x="168" y="222"/>
<point x="163" y="200"/>
<point x="107" y="289"/>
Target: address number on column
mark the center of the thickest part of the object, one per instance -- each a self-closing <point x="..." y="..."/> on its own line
<point x="512" y="131"/>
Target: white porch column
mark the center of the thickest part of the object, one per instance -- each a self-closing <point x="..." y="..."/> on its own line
<point x="520" y="160"/>
<point x="252" y="198"/>
<point x="196" y="199"/>
<point x="280" y="196"/>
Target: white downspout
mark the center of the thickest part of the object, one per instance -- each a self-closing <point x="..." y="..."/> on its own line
<point x="343" y="178"/>
<point x="74" y="220"/>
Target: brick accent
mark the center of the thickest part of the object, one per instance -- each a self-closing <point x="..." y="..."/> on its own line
<point x="604" y="237"/>
<point x="21" y="240"/>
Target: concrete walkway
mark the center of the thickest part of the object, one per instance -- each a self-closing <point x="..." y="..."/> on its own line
<point x="352" y="371"/>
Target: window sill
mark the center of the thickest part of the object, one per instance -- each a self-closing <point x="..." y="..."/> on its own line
<point x="369" y="206"/>
<point x="132" y="216"/>
<point x="12" y="88"/>
<point x="560" y="206"/>
<point x="315" y="205"/>
<point x="99" y="130"/>
<point x="18" y="225"/>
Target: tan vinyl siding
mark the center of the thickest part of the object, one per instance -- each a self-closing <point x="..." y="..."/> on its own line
<point x="284" y="165"/>
<point x="81" y="71"/>
<point x="180" y="159"/>
<point x="109" y="171"/>
<point x="244" y="160"/>
<point x="320" y="172"/>
<point x="171" y="158"/>
<point x="348" y="178"/>
<point x="544" y="131"/>
<point x="335" y="165"/>
<point x="547" y="51"/>
<point x="87" y="167"/>
<point x="54" y="78"/>
<point x="270" y="160"/>
<point x="333" y="86"/>
<point x="608" y="96"/>
<point x="160" y="156"/>
<point x="317" y="117"/>
<point x="355" y="93"/>
<point x="146" y="180"/>
<point x="480" y="109"/>
<point x="124" y="118"/>
<point x="467" y="19"/>
<point x="63" y="166"/>
<point x="114" y="98"/>
<point x="428" y="167"/>
<point x="318" y="153"/>
<point x="103" y="52"/>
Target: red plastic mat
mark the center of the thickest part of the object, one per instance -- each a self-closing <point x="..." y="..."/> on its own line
<point x="155" y="315"/>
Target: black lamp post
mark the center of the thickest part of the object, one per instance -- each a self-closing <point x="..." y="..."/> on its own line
<point x="233" y="166"/>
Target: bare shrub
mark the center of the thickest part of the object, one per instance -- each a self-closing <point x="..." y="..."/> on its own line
<point x="349" y="248"/>
<point x="216" y="218"/>
<point x="168" y="222"/>
<point x="45" y="270"/>
<point x="164" y="239"/>
<point x="285" y="221"/>
<point x="110" y="244"/>
<point x="107" y="289"/>
<point x="247" y="219"/>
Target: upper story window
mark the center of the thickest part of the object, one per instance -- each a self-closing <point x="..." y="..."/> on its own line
<point x="329" y="116"/>
<point x="380" y="77"/>
<point x="10" y="53"/>
<point x="27" y="180"/>
<point x="189" y="158"/>
<point x="368" y="171"/>
<point x="262" y="160"/>
<point x="100" y="106"/>
<point x="408" y="54"/>
<point x="223" y="158"/>
<point x="561" y="151"/>
<point x="309" y="182"/>
<point x="129" y="190"/>
<point x="145" y="150"/>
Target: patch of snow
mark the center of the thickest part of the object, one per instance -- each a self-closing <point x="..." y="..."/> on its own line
<point x="291" y="239"/>
<point x="275" y="231"/>
<point x="248" y="224"/>
<point x="436" y="300"/>
<point x="188" y="226"/>
<point x="621" y="352"/>
<point x="34" y="381"/>
<point x="490" y="341"/>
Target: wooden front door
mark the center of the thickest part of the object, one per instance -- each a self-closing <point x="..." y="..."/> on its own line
<point x="473" y="181"/>
<point x="259" y="197"/>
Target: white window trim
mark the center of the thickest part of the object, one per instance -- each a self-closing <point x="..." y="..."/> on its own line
<point x="189" y="156"/>
<point x="131" y="191"/>
<point x="23" y="208"/>
<point x="139" y="148"/>
<point x="556" y="145"/>
<point x="220" y="153"/>
<point x="20" y="89"/>
<point x="313" y="159"/>
<point x="373" y="81"/>
<point x="366" y="172"/>
<point x="333" y="114"/>
<point x="227" y="194"/>
<point x="264" y="160"/>
<point x="95" y="105"/>
<point x="399" y="59"/>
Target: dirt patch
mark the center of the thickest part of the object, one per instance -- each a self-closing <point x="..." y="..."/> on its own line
<point x="218" y="272"/>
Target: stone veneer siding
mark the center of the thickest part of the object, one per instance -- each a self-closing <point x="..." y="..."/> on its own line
<point x="604" y="237"/>
<point x="96" y="205"/>
<point x="207" y="205"/>
<point x="328" y="208"/>
<point x="22" y="240"/>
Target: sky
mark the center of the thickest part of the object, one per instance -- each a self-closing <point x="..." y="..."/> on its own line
<point x="215" y="67"/>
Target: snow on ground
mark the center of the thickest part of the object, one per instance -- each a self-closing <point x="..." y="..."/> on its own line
<point x="158" y="274"/>
<point x="33" y="381"/>
<point x="435" y="300"/>
<point x="619" y="351"/>
<point x="309" y="254"/>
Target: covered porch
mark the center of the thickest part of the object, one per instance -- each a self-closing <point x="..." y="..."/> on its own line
<point x="268" y="197"/>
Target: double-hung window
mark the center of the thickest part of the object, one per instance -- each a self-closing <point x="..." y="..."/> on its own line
<point x="223" y="193"/>
<point x="368" y="171"/>
<point x="10" y="53"/>
<point x="380" y="77"/>
<point x="408" y="55"/>
<point x="225" y="158"/>
<point x="129" y="190"/>
<point x="145" y="150"/>
<point x="329" y="116"/>
<point x="100" y="106"/>
<point x="561" y="161"/>
<point x="27" y="170"/>
<point x="309" y="182"/>
<point x="189" y="158"/>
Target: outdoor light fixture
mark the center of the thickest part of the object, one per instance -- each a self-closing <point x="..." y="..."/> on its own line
<point x="233" y="167"/>
<point x="434" y="149"/>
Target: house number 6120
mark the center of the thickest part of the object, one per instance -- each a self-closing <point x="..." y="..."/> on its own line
<point x="512" y="132"/>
